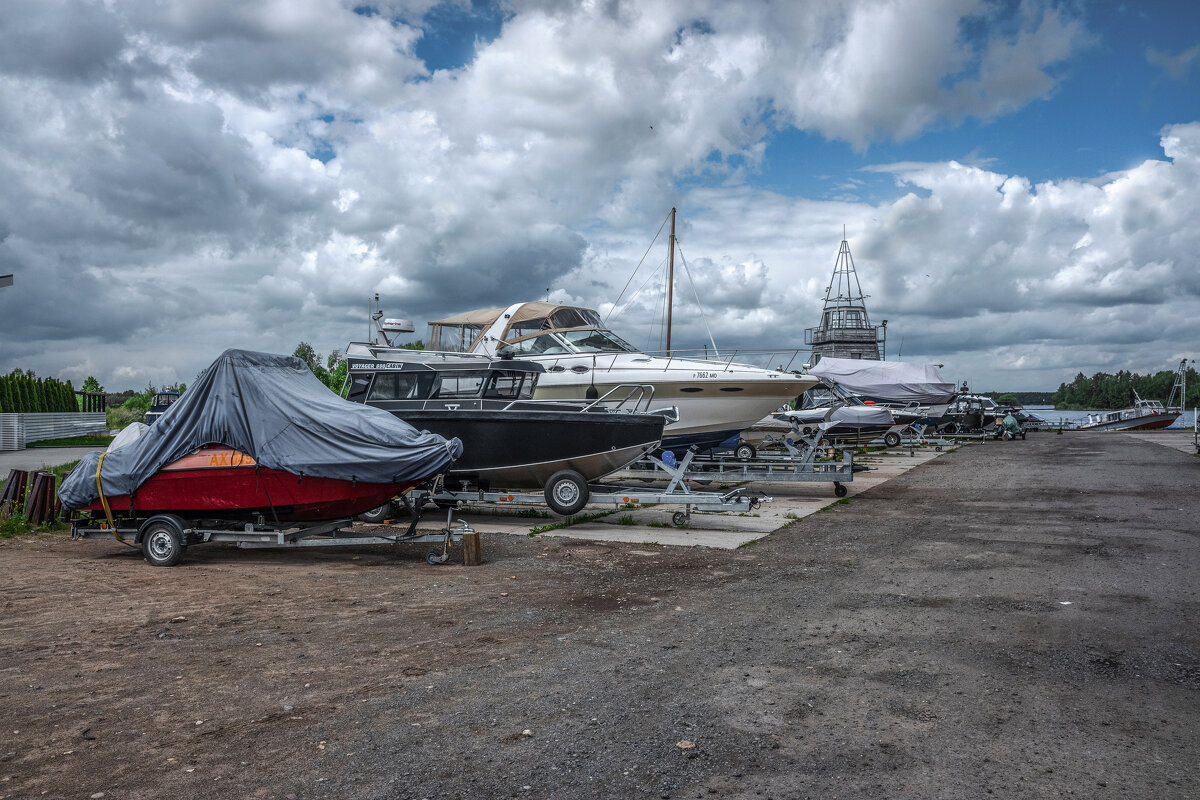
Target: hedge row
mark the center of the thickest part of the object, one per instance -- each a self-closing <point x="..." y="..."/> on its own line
<point x="23" y="392"/>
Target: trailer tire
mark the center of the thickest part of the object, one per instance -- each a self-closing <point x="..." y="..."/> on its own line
<point x="566" y="492"/>
<point x="162" y="542"/>
<point x="745" y="452"/>
<point x="891" y="439"/>
<point x="377" y="515"/>
<point x="840" y="490"/>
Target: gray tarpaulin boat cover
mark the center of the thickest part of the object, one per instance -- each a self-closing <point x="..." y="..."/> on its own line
<point x="275" y="409"/>
<point x="897" y="381"/>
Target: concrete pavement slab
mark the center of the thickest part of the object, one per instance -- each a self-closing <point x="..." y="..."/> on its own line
<point x="34" y="458"/>
<point x="722" y="530"/>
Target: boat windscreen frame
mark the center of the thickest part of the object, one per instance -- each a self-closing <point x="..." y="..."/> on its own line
<point x="566" y="343"/>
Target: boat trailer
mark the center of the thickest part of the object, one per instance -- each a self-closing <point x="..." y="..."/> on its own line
<point x="163" y="538"/>
<point x="735" y="500"/>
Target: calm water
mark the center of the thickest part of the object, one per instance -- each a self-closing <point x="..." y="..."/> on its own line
<point x="1068" y="418"/>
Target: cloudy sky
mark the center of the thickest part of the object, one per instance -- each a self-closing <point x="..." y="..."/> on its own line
<point x="1019" y="181"/>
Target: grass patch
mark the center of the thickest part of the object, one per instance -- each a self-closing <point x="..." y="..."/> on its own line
<point x="791" y="515"/>
<point x="531" y="513"/>
<point x="625" y="519"/>
<point x="12" y="517"/>
<point x="73" y="441"/>
<point x="567" y="522"/>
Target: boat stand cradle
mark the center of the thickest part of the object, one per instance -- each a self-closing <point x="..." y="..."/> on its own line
<point x="798" y="464"/>
<point x="163" y="538"/>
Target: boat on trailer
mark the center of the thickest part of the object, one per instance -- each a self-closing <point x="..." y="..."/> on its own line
<point x="717" y="399"/>
<point x="511" y="440"/>
<point x="258" y="440"/>
<point x="220" y="482"/>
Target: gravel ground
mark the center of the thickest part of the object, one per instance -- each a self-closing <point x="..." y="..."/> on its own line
<point x="1015" y="620"/>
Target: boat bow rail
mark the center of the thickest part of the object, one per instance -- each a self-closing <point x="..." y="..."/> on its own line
<point x="789" y="360"/>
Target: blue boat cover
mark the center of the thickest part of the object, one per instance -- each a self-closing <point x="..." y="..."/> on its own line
<point x="273" y="408"/>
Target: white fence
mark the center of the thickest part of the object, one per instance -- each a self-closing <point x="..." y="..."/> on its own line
<point x="17" y="429"/>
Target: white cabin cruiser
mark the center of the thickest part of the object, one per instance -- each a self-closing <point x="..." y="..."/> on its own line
<point x="584" y="360"/>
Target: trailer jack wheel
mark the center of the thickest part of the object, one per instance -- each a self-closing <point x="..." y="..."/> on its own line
<point x="679" y="519"/>
<point x="433" y="559"/>
<point x="840" y="490"/>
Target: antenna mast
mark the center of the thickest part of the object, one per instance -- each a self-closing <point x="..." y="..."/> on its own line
<point x="670" y="278"/>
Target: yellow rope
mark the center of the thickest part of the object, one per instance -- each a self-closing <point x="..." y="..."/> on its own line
<point x="104" y="500"/>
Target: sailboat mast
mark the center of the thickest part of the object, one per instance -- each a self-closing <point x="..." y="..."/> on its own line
<point x="670" y="278"/>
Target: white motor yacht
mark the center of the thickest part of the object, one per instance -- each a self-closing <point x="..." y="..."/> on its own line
<point x="584" y="360"/>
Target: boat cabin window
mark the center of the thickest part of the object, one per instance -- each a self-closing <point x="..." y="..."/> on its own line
<point x="358" y="388"/>
<point x="546" y="344"/>
<point x="399" y="386"/>
<point x="596" y="341"/>
<point x="510" y="386"/>
<point x="452" y="385"/>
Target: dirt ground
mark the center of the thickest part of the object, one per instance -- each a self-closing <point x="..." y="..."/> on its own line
<point x="1015" y="620"/>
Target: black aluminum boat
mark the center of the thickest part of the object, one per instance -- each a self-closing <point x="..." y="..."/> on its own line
<point x="510" y="440"/>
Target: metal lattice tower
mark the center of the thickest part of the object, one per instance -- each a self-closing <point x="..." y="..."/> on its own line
<point x="846" y="330"/>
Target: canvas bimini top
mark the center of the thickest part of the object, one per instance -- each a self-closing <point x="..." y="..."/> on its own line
<point x="274" y="409"/>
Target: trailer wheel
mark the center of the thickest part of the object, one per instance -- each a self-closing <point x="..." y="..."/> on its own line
<point x="566" y="492"/>
<point x="840" y="490"/>
<point x="378" y="515"/>
<point x="745" y="452"/>
<point x="679" y="518"/>
<point x="162" y="542"/>
<point x="891" y="439"/>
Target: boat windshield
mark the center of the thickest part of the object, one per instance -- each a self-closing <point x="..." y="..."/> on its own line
<point x="596" y="340"/>
<point x="545" y="344"/>
<point x="582" y="340"/>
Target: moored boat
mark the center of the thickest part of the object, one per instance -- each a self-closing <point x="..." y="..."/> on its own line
<point x="1143" y="415"/>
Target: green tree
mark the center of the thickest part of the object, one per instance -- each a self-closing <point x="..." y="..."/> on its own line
<point x="332" y="373"/>
<point x="91" y="385"/>
<point x="336" y="365"/>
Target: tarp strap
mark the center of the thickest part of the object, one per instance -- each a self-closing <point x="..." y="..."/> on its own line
<point x="104" y="500"/>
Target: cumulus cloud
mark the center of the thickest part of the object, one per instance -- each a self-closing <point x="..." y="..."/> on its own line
<point x="183" y="177"/>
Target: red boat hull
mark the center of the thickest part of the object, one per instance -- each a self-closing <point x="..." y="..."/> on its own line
<point x="221" y="483"/>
